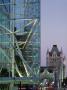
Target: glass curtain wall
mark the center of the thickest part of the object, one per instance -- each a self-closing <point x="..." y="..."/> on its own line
<point x="5" y="40"/>
<point x="27" y="23"/>
<point x="20" y="38"/>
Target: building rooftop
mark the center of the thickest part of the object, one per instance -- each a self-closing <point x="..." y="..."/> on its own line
<point x="55" y="49"/>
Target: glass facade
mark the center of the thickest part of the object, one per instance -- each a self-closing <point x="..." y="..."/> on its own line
<point x="30" y="26"/>
<point x="20" y="38"/>
<point x="4" y="38"/>
<point x="4" y="13"/>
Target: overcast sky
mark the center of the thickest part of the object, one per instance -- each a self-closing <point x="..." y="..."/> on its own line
<point x="53" y="26"/>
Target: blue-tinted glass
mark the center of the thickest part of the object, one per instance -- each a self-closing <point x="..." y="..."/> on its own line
<point x="26" y="19"/>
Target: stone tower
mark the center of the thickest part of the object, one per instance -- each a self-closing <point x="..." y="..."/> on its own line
<point x="55" y="59"/>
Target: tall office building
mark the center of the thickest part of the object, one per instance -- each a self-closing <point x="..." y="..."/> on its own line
<point x="19" y="41"/>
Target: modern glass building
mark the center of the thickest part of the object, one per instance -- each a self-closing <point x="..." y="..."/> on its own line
<point x="27" y="25"/>
<point x="19" y="41"/>
<point x="4" y="37"/>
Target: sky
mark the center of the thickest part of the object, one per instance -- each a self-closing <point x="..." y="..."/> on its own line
<point x="53" y="27"/>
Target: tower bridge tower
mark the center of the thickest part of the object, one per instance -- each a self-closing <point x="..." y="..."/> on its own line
<point x="55" y="58"/>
